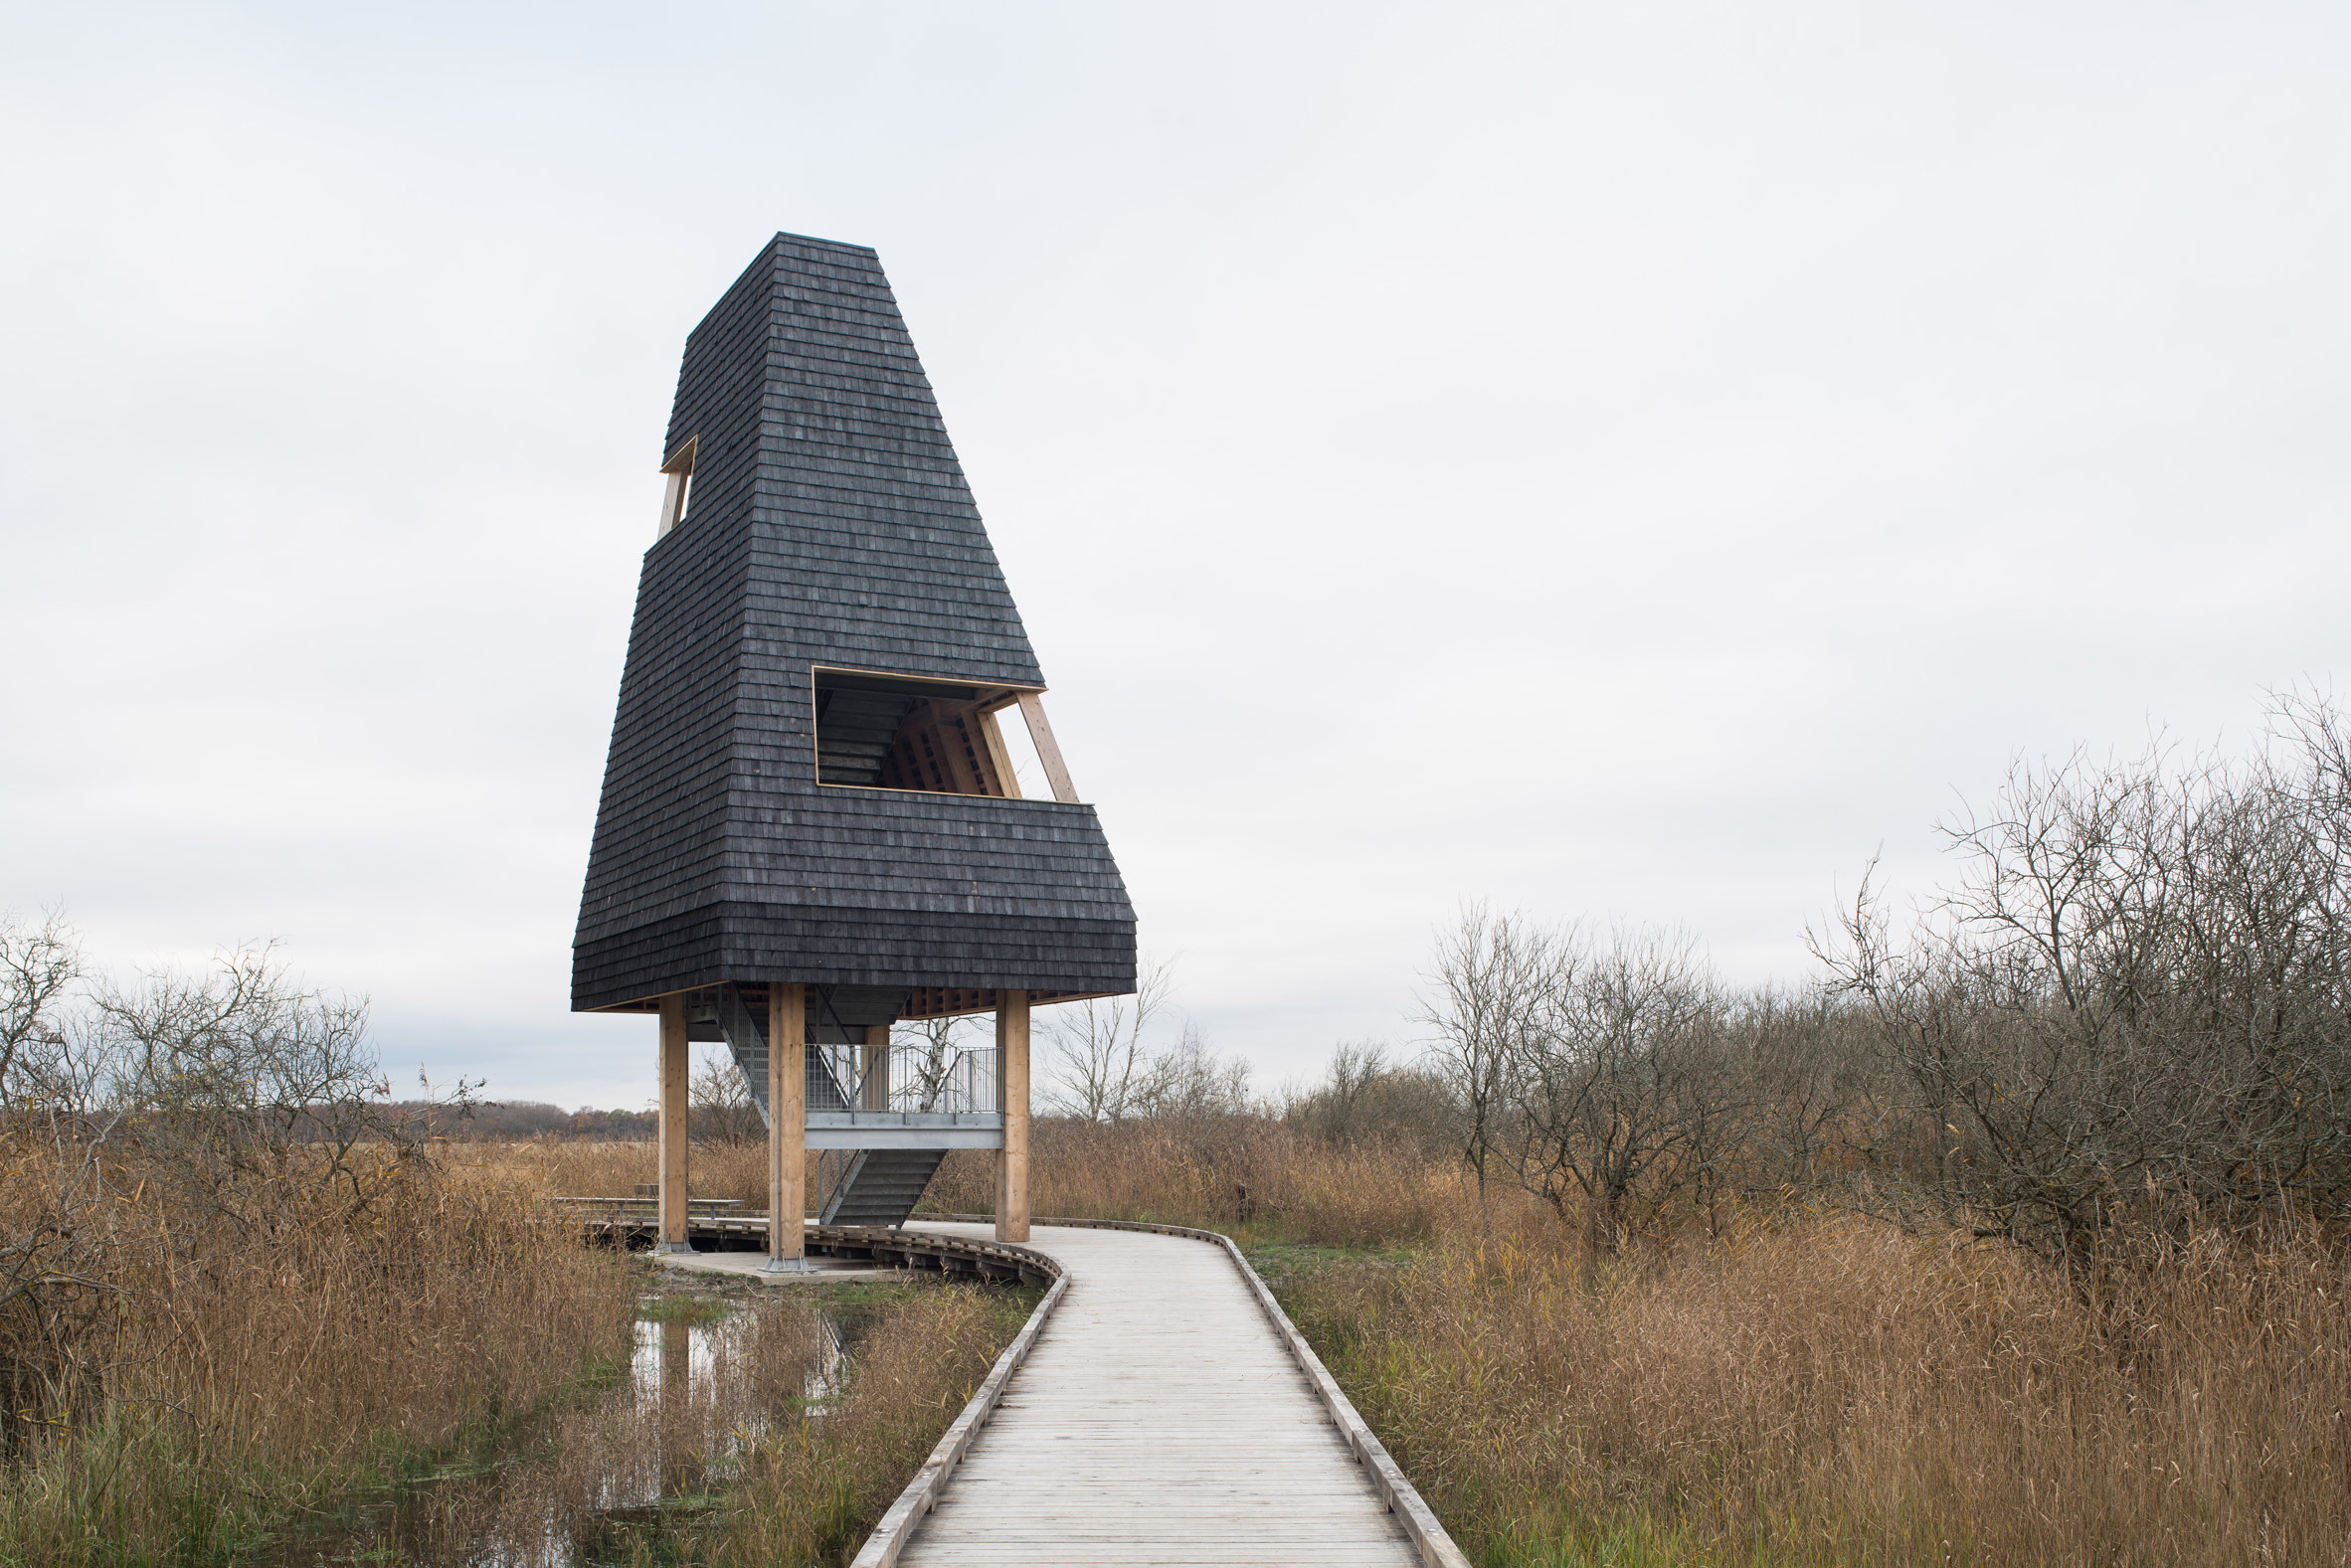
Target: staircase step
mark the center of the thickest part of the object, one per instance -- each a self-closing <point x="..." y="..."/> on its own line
<point x="883" y="1186"/>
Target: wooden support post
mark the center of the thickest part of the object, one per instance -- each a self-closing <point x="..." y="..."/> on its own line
<point x="787" y="1126"/>
<point x="1000" y="759"/>
<point x="673" y="1125"/>
<point x="1048" y="750"/>
<point x="874" y="1073"/>
<point x="1012" y="1079"/>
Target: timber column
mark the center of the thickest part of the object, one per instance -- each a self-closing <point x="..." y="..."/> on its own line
<point x="673" y="1125"/>
<point x="787" y="1126"/>
<point x="1012" y="1079"/>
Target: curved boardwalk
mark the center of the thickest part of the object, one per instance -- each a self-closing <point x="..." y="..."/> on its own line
<point x="1159" y="1420"/>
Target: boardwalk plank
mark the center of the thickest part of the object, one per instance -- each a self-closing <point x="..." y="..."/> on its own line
<point x="1158" y="1421"/>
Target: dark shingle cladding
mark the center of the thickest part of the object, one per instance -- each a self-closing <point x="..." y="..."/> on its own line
<point x="829" y="523"/>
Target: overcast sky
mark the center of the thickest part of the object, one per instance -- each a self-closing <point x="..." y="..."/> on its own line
<point x="1628" y="463"/>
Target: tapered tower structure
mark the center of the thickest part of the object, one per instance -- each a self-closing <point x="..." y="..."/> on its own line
<point x="812" y="823"/>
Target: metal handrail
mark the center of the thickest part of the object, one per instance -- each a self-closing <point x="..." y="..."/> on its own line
<point x="961" y="1084"/>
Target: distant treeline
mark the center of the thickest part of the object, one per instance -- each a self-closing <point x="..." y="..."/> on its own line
<point x="503" y="1120"/>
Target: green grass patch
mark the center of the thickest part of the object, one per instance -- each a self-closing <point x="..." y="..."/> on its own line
<point x="695" y="1311"/>
<point x="1284" y="1264"/>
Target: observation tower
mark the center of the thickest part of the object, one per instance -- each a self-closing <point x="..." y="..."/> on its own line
<point x="814" y="823"/>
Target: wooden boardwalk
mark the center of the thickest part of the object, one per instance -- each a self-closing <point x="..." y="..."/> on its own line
<point x="1159" y="1420"/>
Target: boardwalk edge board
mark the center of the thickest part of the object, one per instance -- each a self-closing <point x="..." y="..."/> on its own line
<point x="619" y="1221"/>
<point x="1402" y="1498"/>
<point x="882" y="1547"/>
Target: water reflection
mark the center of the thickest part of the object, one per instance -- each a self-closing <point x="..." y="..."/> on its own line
<point x="590" y="1484"/>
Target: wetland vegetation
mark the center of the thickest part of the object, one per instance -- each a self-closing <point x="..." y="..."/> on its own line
<point x="252" y="1313"/>
<point x="753" y="1424"/>
<point x="2020" y="1235"/>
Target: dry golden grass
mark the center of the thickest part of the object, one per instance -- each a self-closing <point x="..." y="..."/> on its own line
<point x="814" y="1492"/>
<point x="240" y="1370"/>
<point x="1222" y="1171"/>
<point x="252" y="1375"/>
<point x="580" y="1169"/>
<point x="1809" y="1388"/>
<point x="766" y="1444"/>
<point x="1833" y="1391"/>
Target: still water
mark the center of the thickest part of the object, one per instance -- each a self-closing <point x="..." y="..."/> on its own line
<point x="600" y="1481"/>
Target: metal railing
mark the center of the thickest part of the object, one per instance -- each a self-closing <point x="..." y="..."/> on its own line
<point x="904" y="1077"/>
<point x="910" y="1074"/>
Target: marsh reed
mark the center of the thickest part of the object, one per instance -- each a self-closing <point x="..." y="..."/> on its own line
<point x="1789" y="1381"/>
<point x="211" y="1375"/>
<point x="811" y="1493"/>
<point x="1826" y="1391"/>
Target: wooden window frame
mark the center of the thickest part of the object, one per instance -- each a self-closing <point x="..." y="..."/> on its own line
<point x="678" y="471"/>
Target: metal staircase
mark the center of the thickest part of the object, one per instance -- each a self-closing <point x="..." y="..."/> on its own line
<point x="748" y="1045"/>
<point x="867" y="1186"/>
<point x="881" y="1186"/>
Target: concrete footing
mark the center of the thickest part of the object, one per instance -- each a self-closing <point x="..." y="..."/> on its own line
<point x="754" y="1265"/>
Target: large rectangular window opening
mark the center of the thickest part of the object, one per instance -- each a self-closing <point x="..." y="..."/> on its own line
<point x="895" y="731"/>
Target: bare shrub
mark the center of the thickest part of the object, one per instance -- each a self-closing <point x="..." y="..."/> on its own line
<point x="1100" y="1066"/>
<point x="247" y="1092"/>
<point x="1365" y="1099"/>
<point x="229" y="1277"/>
<point x="1813" y="1088"/>
<point x="1190" y="1083"/>
<point x="37" y="962"/>
<point x="719" y="1107"/>
<point x="2137" y="998"/>
<point x="1621" y="1082"/>
<point x="1495" y="978"/>
<point x="1616" y="1083"/>
<point x="929" y="1068"/>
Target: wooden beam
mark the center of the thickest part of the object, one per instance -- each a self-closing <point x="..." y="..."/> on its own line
<point x="1049" y="752"/>
<point x="956" y="755"/>
<point x="787" y="1126"/>
<point x="997" y="758"/>
<point x="978" y="760"/>
<point x="939" y="1001"/>
<point x="672" y="492"/>
<point x="674" y="1067"/>
<point x="1012" y="1080"/>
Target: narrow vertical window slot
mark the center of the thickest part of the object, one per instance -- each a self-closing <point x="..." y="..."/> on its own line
<point x="677" y="476"/>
